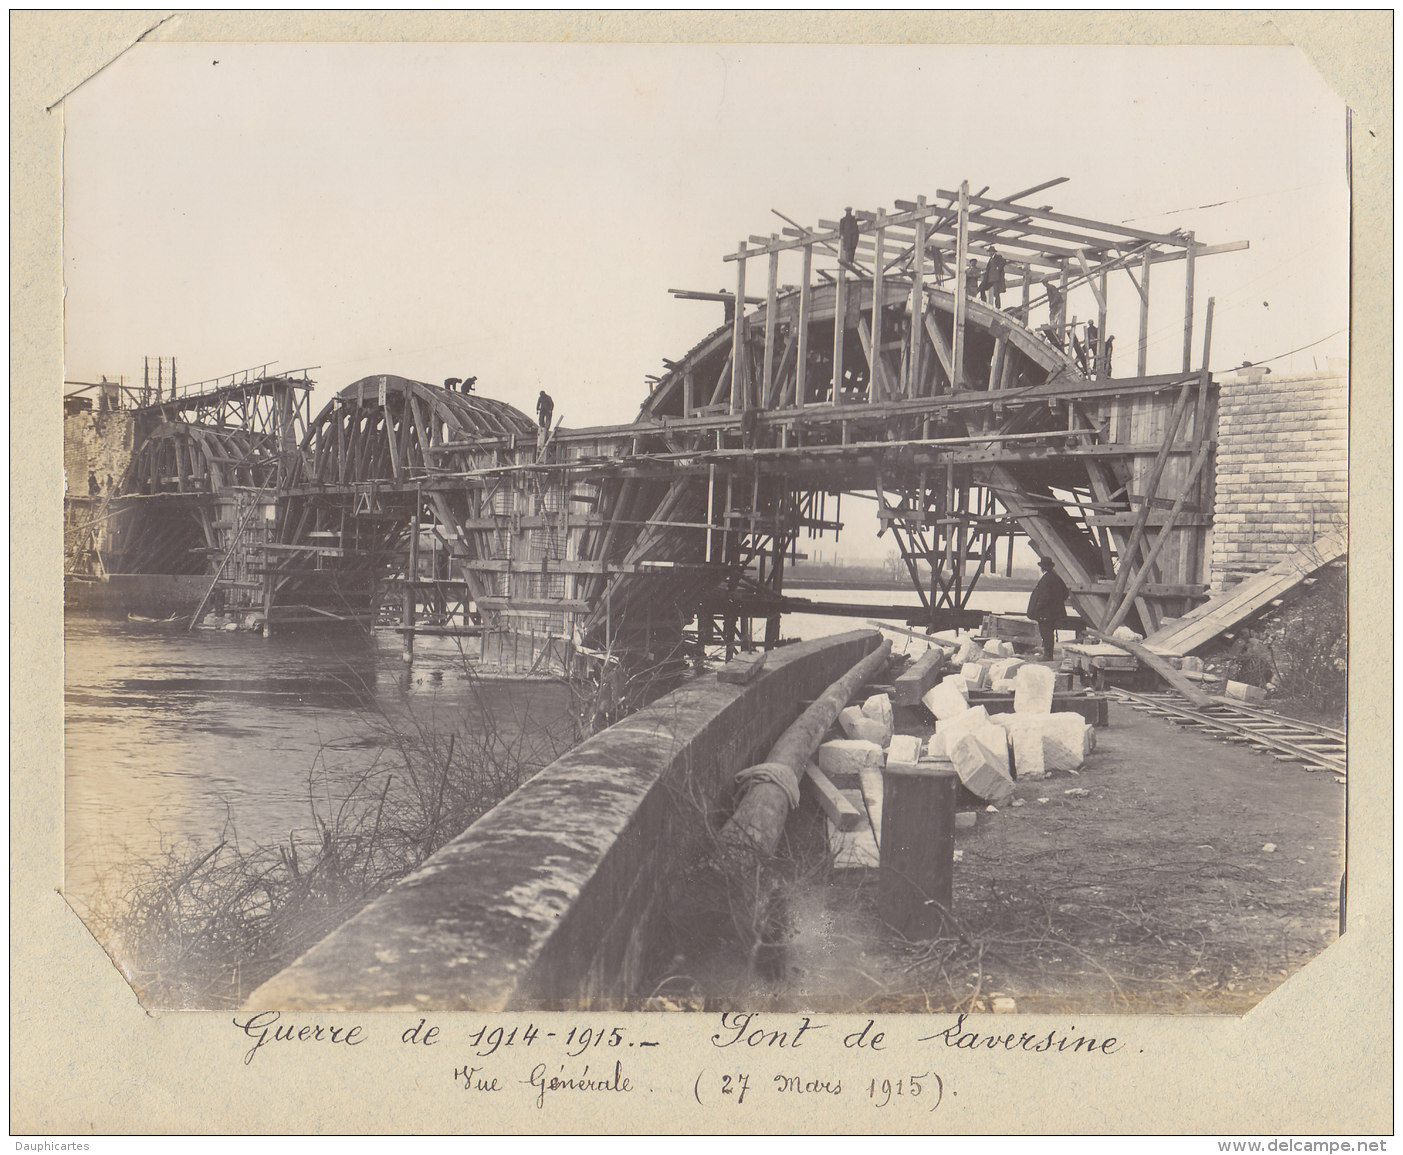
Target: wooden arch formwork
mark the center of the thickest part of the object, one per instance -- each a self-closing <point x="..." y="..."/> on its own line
<point x="370" y="511"/>
<point x="189" y="491"/>
<point x="971" y="408"/>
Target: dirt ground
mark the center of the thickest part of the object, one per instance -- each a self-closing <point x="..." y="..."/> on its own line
<point x="1194" y="876"/>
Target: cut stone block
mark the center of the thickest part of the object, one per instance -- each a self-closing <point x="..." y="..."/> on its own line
<point x="1028" y="754"/>
<point x="1065" y="739"/>
<point x="947" y="699"/>
<point x="978" y="770"/>
<point x="1004" y="670"/>
<point x="903" y="748"/>
<point x="1126" y="634"/>
<point x="1192" y="665"/>
<point x="974" y="673"/>
<point x="935" y="748"/>
<point x="1032" y="691"/>
<point x="966" y="818"/>
<point x="742" y="668"/>
<point x="969" y="651"/>
<point x="844" y="760"/>
<point x="878" y="708"/>
<point x="966" y="719"/>
<point x="1004" y="686"/>
<point x="1245" y="693"/>
<point x="848" y="719"/>
<point x="998" y="649"/>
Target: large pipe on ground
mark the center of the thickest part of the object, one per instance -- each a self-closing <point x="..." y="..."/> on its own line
<point x="772" y="787"/>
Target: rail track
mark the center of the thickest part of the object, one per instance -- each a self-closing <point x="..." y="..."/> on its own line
<point x="1286" y="739"/>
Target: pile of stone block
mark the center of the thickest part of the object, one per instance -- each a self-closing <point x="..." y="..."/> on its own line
<point x="987" y="751"/>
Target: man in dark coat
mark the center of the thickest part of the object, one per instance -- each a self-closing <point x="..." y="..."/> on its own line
<point x="847" y="237"/>
<point x="1048" y="605"/>
<point x="993" y="283"/>
<point x="545" y="407"/>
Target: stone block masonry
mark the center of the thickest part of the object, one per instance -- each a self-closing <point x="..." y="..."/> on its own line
<point x="551" y="899"/>
<point x="1282" y="476"/>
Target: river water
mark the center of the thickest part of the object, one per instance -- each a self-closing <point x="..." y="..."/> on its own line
<point x="173" y="736"/>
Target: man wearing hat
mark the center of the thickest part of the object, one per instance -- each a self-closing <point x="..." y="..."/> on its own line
<point x="1048" y="605"/>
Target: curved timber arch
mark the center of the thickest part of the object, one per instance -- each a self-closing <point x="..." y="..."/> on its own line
<point x="387" y="428"/>
<point x="998" y="350"/>
<point x="182" y="457"/>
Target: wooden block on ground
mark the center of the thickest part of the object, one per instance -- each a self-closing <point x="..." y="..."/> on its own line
<point x="921" y="677"/>
<point x="841" y="813"/>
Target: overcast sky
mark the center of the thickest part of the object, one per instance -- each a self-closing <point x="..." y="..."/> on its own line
<point x="519" y="212"/>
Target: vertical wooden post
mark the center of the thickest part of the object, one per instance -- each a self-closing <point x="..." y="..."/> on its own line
<point x="1144" y="356"/>
<point x="771" y="297"/>
<point x="915" y="884"/>
<point x="877" y="386"/>
<point x="918" y="304"/>
<point x="801" y="353"/>
<point x="1188" y="302"/>
<point x="1100" y="327"/>
<point x="1027" y="277"/>
<point x="738" y="374"/>
<point x="412" y="576"/>
<point x="957" y="356"/>
<point x="840" y="318"/>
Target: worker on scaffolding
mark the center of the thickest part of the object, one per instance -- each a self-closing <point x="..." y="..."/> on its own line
<point x="972" y="277"/>
<point x="1048" y="605"/>
<point x="847" y="238"/>
<point x="545" y="409"/>
<point x="992" y="284"/>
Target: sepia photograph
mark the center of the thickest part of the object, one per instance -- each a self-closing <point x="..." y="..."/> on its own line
<point x="462" y="606"/>
<point x="793" y="529"/>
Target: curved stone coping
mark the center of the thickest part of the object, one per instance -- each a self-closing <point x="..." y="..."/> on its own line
<point x="548" y="897"/>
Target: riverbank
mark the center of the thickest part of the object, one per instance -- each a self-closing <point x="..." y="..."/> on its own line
<point x="1173" y="874"/>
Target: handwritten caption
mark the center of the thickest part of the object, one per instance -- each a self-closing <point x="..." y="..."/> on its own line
<point x="746" y="1058"/>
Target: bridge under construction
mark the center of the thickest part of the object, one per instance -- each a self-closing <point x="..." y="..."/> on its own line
<point x="924" y="358"/>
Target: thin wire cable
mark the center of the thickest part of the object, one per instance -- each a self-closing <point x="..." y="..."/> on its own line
<point x="1279" y="356"/>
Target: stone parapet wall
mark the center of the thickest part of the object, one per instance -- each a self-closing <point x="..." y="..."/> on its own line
<point x="1282" y="477"/>
<point x="551" y="898"/>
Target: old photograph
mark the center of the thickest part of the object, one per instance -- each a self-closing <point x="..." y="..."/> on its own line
<point x="683" y="527"/>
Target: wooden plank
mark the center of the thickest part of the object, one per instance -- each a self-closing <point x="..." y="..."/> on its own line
<point x="957" y="357"/>
<point x="832" y="801"/>
<point x="917" y="309"/>
<point x="1063" y="218"/>
<point x="924" y="672"/>
<point x="801" y="357"/>
<point x="943" y="351"/>
<point x="840" y="332"/>
<point x="878" y="300"/>
<point x="1144" y="352"/>
<point x="772" y="289"/>
<point x="1161" y="539"/>
<point x="738" y="374"/>
<point x="1221" y="613"/>
<point x="1189" y="302"/>
<point x="1159" y="666"/>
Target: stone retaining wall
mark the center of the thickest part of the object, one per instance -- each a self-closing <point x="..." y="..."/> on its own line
<point x="1282" y="477"/>
<point x="550" y="899"/>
